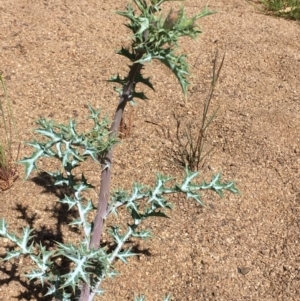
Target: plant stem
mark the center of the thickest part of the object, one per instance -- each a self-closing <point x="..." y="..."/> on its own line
<point x="106" y="161"/>
<point x="106" y="164"/>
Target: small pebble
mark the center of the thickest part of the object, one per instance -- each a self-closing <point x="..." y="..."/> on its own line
<point x="243" y="270"/>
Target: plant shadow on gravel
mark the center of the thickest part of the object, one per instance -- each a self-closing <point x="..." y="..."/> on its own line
<point x="30" y="292"/>
<point x="44" y="235"/>
<point x="48" y="237"/>
<point x="43" y="179"/>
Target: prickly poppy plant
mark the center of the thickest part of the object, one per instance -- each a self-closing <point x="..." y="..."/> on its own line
<point x="154" y="37"/>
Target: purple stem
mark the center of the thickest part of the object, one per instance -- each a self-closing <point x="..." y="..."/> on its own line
<point x="106" y="163"/>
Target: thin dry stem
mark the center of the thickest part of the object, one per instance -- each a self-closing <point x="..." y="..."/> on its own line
<point x="190" y="150"/>
<point x="8" y="170"/>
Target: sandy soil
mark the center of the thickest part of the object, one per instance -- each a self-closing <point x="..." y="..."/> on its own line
<point x="55" y="57"/>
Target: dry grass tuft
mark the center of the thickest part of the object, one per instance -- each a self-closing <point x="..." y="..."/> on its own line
<point x="8" y="167"/>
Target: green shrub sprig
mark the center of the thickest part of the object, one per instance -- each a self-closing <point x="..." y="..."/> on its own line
<point x="153" y="37"/>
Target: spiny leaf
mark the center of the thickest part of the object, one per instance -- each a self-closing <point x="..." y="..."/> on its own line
<point x="3" y="227"/>
<point x="125" y="254"/>
<point x="30" y="162"/>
